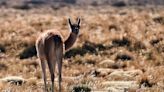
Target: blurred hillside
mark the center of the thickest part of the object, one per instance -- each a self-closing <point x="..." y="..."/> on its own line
<point x="26" y="4"/>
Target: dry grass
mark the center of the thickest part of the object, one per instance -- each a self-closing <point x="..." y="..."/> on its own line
<point x="133" y="38"/>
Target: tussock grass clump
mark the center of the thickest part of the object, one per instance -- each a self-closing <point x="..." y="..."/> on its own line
<point x="123" y="57"/>
<point x="32" y="82"/>
<point x="95" y="73"/>
<point x="75" y="51"/>
<point x="88" y="60"/>
<point x="145" y="82"/>
<point x="121" y="42"/>
<point x="81" y="88"/>
<point x="93" y="48"/>
<point x="155" y="41"/>
<point x="138" y="45"/>
<point x="2" y="48"/>
<point x="158" y="44"/>
<point x="22" y="7"/>
<point x="28" y="52"/>
<point x="3" y="66"/>
<point x="113" y="27"/>
<point x="159" y="19"/>
<point x="87" y="47"/>
<point x="119" y="4"/>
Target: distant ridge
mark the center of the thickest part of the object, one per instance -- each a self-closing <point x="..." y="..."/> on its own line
<point x="26" y="4"/>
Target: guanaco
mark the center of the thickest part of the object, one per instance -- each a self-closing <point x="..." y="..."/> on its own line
<point x="50" y="48"/>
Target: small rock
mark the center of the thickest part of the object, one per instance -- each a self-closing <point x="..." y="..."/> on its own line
<point x="105" y="71"/>
<point x="110" y="64"/>
<point x="95" y="73"/>
<point x="80" y="88"/>
<point x="106" y="62"/>
<point x="13" y="80"/>
<point x="124" y="75"/>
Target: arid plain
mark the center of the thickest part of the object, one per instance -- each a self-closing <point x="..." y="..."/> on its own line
<point x="119" y="48"/>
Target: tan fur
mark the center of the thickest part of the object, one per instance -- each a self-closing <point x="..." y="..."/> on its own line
<point x="48" y="52"/>
<point x="50" y="48"/>
<point x="41" y="41"/>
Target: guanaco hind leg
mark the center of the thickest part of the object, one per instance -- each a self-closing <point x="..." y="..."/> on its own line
<point x="43" y="65"/>
<point x="51" y="59"/>
<point x="41" y="56"/>
<point x="59" y="58"/>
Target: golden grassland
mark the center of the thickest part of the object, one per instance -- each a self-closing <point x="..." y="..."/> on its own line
<point x="115" y="44"/>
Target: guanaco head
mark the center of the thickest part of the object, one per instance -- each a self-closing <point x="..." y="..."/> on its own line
<point x="74" y="27"/>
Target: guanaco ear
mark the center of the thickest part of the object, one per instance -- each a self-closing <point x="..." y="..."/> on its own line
<point x="78" y="21"/>
<point x="69" y="21"/>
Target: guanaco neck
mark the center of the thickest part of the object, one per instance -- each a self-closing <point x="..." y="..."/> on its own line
<point x="70" y="41"/>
